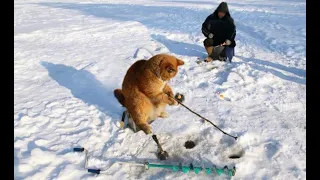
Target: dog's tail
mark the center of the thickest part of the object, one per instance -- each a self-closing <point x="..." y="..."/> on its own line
<point x="118" y="94"/>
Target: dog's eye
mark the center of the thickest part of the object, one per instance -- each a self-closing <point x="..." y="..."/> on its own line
<point x="170" y="70"/>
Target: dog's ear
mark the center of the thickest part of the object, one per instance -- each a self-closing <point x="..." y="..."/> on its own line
<point x="180" y="62"/>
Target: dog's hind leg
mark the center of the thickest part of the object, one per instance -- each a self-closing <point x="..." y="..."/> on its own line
<point x="140" y="109"/>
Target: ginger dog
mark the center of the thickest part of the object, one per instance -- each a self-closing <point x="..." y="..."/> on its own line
<point x="144" y="89"/>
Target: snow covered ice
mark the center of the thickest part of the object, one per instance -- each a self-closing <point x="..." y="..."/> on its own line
<point x="69" y="56"/>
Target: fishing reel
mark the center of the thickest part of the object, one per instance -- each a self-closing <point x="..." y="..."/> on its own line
<point x="179" y="97"/>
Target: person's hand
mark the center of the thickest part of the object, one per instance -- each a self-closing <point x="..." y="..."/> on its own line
<point x="227" y="42"/>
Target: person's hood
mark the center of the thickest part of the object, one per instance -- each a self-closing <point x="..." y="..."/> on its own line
<point x="223" y="7"/>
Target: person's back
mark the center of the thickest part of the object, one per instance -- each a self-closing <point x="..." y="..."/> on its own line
<point x="219" y="29"/>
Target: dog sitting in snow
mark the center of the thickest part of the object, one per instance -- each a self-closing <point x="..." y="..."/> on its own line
<point x="145" y="90"/>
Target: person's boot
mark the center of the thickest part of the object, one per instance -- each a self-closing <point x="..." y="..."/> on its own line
<point x="223" y="55"/>
<point x="209" y="51"/>
<point x="208" y="59"/>
<point x="221" y="58"/>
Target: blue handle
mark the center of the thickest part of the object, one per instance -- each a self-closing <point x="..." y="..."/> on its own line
<point x="96" y="171"/>
<point x="78" y="149"/>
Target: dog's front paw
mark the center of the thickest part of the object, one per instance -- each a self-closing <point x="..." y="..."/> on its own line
<point x="164" y="115"/>
<point x="174" y="102"/>
<point x="170" y="94"/>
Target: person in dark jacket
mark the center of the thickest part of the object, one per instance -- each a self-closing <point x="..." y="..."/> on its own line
<point x="220" y="32"/>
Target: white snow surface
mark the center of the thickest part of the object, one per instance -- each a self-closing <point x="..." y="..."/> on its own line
<point x="70" y="55"/>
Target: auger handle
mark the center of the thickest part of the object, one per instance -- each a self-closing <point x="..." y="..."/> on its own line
<point x="78" y="149"/>
<point x="95" y="171"/>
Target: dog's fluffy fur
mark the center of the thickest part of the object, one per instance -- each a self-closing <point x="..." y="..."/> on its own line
<point x="144" y="89"/>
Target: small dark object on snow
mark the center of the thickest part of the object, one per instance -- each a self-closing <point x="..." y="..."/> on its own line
<point x="189" y="144"/>
<point x="235" y="156"/>
<point x="179" y="97"/>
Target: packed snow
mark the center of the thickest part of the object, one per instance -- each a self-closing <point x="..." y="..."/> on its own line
<point x="69" y="56"/>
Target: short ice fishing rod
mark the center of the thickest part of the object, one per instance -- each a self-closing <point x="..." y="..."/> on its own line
<point x="179" y="98"/>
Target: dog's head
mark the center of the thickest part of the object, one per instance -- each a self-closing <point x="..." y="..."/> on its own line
<point x="165" y="66"/>
<point x="169" y="67"/>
